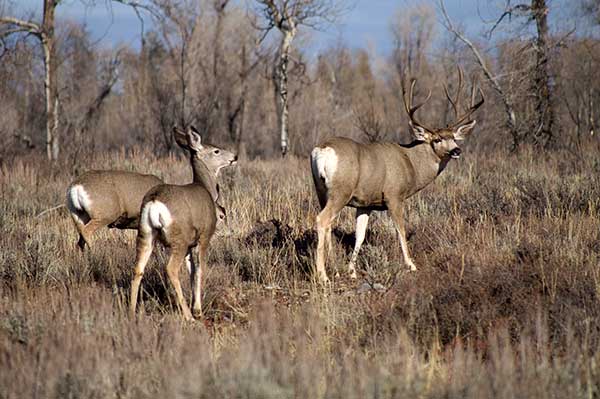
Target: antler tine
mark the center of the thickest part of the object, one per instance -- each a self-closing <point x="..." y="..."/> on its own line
<point x="450" y="100"/>
<point x="473" y="107"/>
<point x="406" y="103"/>
<point x="454" y="102"/>
<point x="410" y="109"/>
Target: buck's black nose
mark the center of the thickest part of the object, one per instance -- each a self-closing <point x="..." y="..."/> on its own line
<point x="455" y="153"/>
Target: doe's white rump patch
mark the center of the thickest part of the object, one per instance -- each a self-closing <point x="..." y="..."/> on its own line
<point x="78" y="201"/>
<point x="324" y="163"/>
<point x="155" y="215"/>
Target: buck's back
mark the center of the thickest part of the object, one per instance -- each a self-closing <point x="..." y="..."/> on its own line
<point x="371" y="171"/>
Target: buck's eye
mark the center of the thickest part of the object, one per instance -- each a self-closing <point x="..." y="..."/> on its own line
<point x="437" y="141"/>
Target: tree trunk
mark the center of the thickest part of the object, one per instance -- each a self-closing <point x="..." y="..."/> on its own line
<point x="50" y="83"/>
<point x="281" y="87"/>
<point x="242" y="113"/>
<point x="543" y="133"/>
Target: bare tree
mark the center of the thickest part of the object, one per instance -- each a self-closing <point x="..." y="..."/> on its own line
<point x="45" y="33"/>
<point x="580" y="90"/>
<point x="287" y="16"/>
<point x="413" y="33"/>
<point x="491" y="77"/>
<point x="591" y="10"/>
<point x="541" y="127"/>
<point x="544" y="102"/>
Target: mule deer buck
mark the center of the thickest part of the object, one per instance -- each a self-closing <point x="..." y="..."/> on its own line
<point x="381" y="176"/>
<point x="182" y="217"/>
<point x="112" y="198"/>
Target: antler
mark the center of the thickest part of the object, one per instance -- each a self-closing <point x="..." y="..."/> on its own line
<point x="410" y="109"/>
<point x="454" y="102"/>
<point x="472" y="108"/>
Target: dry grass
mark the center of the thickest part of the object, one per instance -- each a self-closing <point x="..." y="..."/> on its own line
<point x="505" y="302"/>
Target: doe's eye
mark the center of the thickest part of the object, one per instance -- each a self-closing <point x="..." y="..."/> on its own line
<point x="216" y="152"/>
<point x="437" y="141"/>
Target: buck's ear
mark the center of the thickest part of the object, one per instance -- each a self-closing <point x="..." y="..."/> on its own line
<point x="180" y="137"/>
<point x="464" y="130"/>
<point x="420" y="133"/>
<point x="194" y="139"/>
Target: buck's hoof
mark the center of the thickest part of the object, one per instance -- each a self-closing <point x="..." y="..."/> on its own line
<point x="197" y="314"/>
<point x="323" y="279"/>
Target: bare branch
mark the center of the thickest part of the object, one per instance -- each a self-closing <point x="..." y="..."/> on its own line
<point x="26" y="25"/>
<point x="493" y="80"/>
<point x="136" y="5"/>
<point x="508" y="12"/>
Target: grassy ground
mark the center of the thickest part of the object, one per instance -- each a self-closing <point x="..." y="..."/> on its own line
<point x="505" y="302"/>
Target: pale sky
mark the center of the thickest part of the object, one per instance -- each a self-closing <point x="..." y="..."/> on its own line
<point x="366" y="25"/>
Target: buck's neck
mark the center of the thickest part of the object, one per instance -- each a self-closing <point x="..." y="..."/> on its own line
<point x="206" y="177"/>
<point x="426" y="163"/>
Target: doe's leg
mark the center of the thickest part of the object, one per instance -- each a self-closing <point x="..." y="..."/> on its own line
<point x="362" y="220"/>
<point x="397" y="213"/>
<point x="86" y="230"/>
<point x="173" y="266"/>
<point x="144" y="244"/>
<point x="197" y="279"/>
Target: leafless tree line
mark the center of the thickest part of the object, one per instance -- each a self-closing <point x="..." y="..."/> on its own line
<point x="235" y="72"/>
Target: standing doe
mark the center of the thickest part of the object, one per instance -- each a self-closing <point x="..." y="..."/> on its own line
<point x="182" y="217"/>
<point x="380" y="176"/>
<point x="110" y="198"/>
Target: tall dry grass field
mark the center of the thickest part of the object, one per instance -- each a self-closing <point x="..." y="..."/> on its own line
<point x="505" y="302"/>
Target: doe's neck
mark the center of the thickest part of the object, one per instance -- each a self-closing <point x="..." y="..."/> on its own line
<point x="205" y="176"/>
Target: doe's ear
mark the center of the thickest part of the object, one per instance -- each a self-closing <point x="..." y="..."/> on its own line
<point x="194" y="139"/>
<point x="464" y="130"/>
<point x="420" y="133"/>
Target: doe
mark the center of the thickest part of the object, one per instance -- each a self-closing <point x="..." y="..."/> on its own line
<point x="182" y="217"/>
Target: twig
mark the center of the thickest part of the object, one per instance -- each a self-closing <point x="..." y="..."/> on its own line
<point x="50" y="210"/>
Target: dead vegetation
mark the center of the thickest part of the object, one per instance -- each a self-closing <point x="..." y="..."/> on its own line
<point x="505" y="302"/>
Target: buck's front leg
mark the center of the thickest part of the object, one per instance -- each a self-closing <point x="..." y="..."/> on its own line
<point x="396" y="211"/>
<point x="362" y="219"/>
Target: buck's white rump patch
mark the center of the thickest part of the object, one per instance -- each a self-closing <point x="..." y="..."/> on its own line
<point x="155" y="215"/>
<point x="324" y="163"/>
<point x="78" y="201"/>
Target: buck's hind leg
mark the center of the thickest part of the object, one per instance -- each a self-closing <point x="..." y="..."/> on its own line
<point x="324" y="221"/>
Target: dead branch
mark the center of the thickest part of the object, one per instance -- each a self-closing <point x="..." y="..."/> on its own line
<point x="493" y="80"/>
